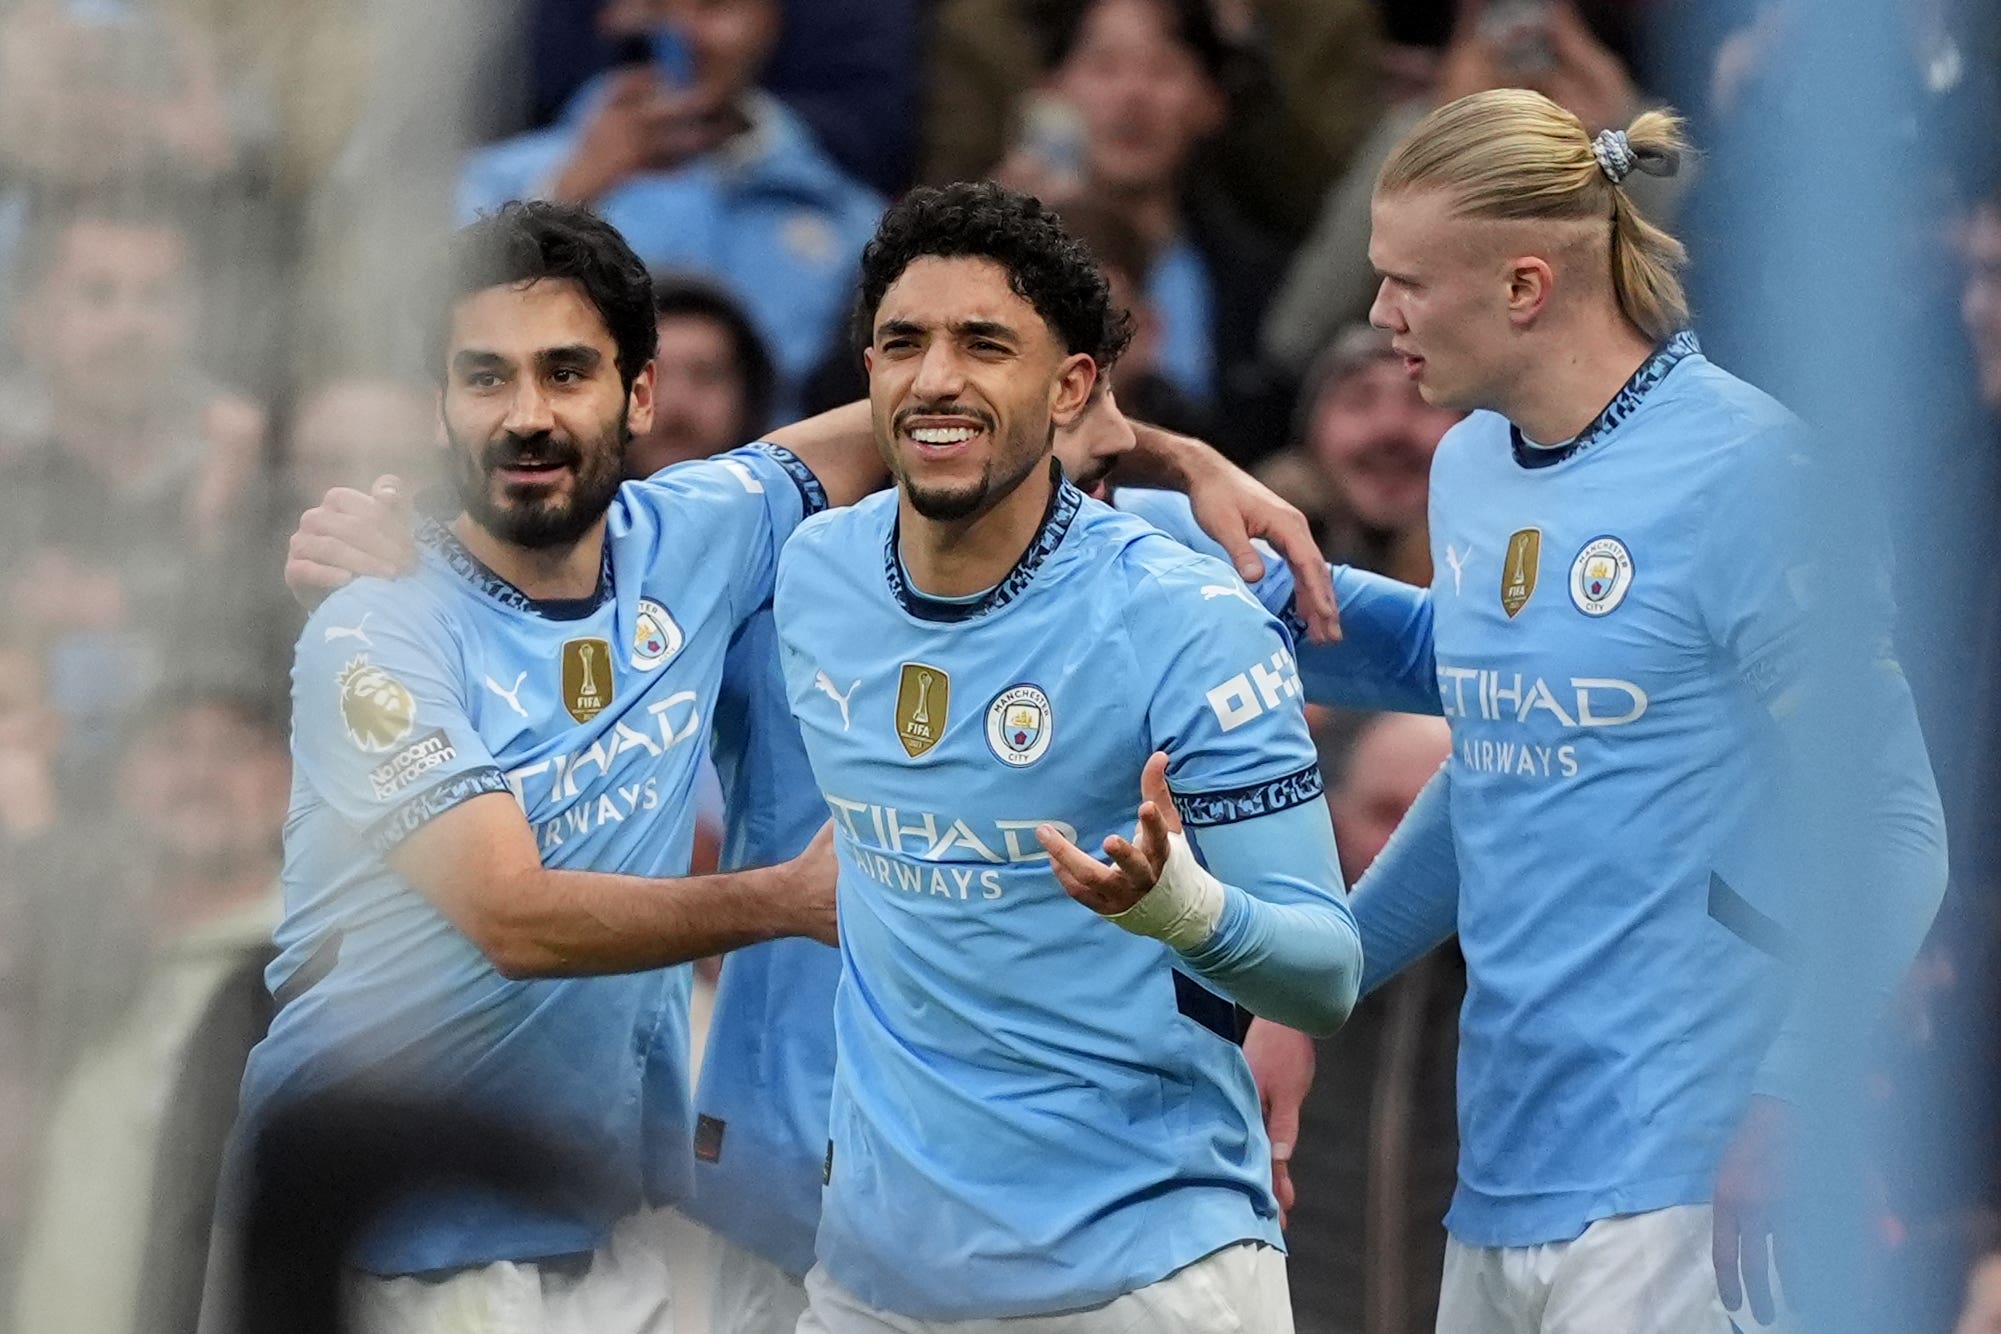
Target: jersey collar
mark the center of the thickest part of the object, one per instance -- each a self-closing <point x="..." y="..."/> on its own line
<point x="1064" y="501"/>
<point x="434" y="534"/>
<point x="1651" y="372"/>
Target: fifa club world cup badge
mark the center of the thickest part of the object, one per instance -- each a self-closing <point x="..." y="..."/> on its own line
<point x="1018" y="725"/>
<point x="1518" y="571"/>
<point x="922" y="697"/>
<point x="587" y="681"/>
<point x="1600" y="575"/>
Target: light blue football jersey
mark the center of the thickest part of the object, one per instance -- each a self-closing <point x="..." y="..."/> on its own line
<point x="1033" y="1110"/>
<point x="412" y="696"/>
<point x="768" y="1068"/>
<point x="1620" y="626"/>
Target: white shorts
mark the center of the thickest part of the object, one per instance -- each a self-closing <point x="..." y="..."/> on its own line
<point x="1237" y="1290"/>
<point x="624" y="1289"/>
<point x="1645" y="1273"/>
<point x="750" y="1295"/>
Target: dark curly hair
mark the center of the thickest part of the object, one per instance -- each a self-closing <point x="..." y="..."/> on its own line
<point x="522" y="242"/>
<point x="1046" y="266"/>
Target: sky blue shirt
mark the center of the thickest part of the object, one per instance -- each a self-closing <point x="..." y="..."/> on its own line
<point x="770" y="215"/>
<point x="1619" y="638"/>
<point x="768" y="1069"/>
<point x="1034" y="1111"/>
<point x="413" y="696"/>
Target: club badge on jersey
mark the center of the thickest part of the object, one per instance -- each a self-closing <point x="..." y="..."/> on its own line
<point x="655" y="636"/>
<point x="1519" y="570"/>
<point x="1019" y="725"/>
<point x="587" y="678"/>
<point x="922" y="698"/>
<point x="1600" y="576"/>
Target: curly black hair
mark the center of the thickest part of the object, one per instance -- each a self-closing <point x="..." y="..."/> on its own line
<point x="524" y="241"/>
<point x="1046" y="266"/>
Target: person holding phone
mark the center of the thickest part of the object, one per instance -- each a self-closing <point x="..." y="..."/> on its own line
<point x="701" y="170"/>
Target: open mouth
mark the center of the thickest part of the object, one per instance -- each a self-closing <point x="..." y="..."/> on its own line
<point x="938" y="440"/>
<point x="530" y="472"/>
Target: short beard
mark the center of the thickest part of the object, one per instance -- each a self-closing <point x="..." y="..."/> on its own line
<point x="598" y="470"/>
<point x="969" y="502"/>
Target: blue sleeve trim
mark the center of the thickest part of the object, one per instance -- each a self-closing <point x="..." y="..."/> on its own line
<point x="1289" y="617"/>
<point x="812" y="495"/>
<point x="385" y="834"/>
<point x="1200" y="809"/>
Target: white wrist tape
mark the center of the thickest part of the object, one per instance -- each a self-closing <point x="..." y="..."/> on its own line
<point x="1184" y="905"/>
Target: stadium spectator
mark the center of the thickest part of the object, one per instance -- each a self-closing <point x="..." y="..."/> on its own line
<point x="1330" y="283"/>
<point x="126" y="467"/>
<point x="1145" y="78"/>
<point x="700" y="170"/>
<point x="1363" y="463"/>
<point x="1125" y="259"/>
<point x="118" y="1237"/>
<point x="1375" y="1172"/>
<point x="848" y="68"/>
<point x="353" y="429"/>
<point x="713" y="377"/>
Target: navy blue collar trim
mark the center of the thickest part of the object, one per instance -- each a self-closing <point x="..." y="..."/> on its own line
<point x="1064" y="502"/>
<point x="441" y="539"/>
<point x="1651" y="372"/>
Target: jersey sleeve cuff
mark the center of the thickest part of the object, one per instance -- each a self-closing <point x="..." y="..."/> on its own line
<point x="812" y="495"/>
<point x="388" y="832"/>
<point x="1202" y="809"/>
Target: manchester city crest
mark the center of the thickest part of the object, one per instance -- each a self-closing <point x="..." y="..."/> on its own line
<point x="1018" y="724"/>
<point x="655" y="636"/>
<point x="1600" y="576"/>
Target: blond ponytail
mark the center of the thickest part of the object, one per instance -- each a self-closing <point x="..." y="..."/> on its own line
<point x="1514" y="154"/>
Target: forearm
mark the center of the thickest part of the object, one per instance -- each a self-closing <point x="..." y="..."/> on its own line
<point x="1284" y="946"/>
<point x="1898" y="890"/>
<point x="1163" y="458"/>
<point x="585" y="924"/>
<point x="839" y="446"/>
<point x="1407" y="903"/>
<point x="1384" y="658"/>
<point x="1295" y="964"/>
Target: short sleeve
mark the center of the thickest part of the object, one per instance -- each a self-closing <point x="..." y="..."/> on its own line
<point x="380" y="727"/>
<point x="747" y="503"/>
<point x="1227" y="701"/>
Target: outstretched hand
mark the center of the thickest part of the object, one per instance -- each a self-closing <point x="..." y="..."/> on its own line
<point x="1136" y="862"/>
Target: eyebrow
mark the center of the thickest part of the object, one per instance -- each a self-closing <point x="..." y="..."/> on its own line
<point x="963" y="329"/>
<point x="580" y="356"/>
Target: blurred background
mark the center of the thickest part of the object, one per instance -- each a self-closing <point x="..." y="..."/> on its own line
<point x="214" y="215"/>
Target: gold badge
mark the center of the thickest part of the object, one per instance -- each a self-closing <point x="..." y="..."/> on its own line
<point x="1518" y="571"/>
<point x="921" y="700"/>
<point x="375" y="707"/>
<point x="587" y="683"/>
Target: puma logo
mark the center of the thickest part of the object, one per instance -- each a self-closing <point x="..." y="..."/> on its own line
<point x="511" y="695"/>
<point x="1458" y="564"/>
<point x="822" y="682"/>
<point x="352" y="632"/>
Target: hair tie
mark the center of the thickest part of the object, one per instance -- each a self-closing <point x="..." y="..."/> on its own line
<point x="1615" y="155"/>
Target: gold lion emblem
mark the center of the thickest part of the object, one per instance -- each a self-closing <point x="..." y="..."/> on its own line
<point x="375" y="707"/>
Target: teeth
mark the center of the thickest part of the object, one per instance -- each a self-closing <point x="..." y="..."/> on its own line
<point x="943" y="435"/>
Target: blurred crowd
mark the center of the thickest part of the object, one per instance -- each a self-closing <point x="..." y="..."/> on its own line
<point x="214" y="217"/>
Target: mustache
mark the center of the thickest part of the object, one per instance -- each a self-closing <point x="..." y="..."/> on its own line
<point x="543" y="447"/>
<point x="905" y="415"/>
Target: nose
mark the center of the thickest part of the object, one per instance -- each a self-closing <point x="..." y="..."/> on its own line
<point x="940" y="375"/>
<point x="1383" y="312"/>
<point x="529" y="412"/>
